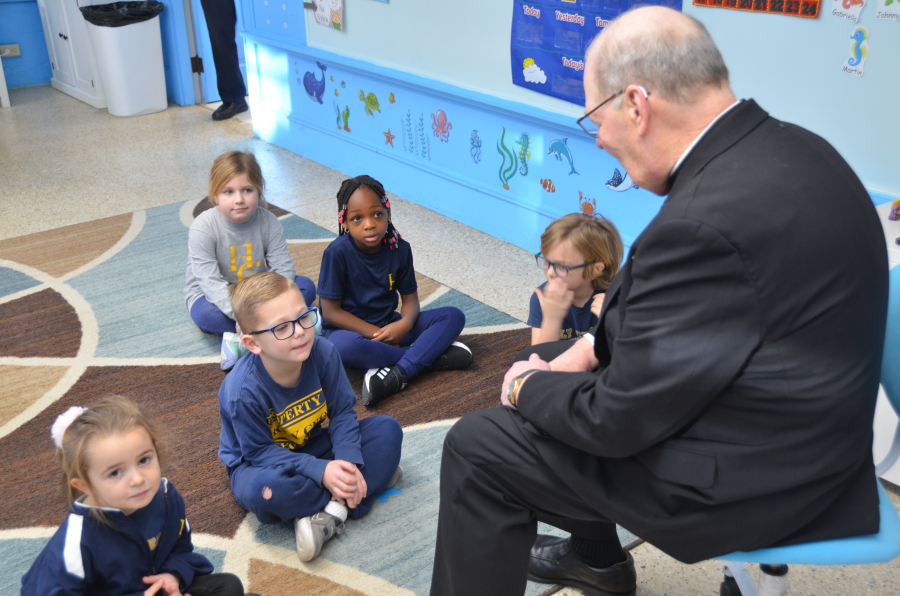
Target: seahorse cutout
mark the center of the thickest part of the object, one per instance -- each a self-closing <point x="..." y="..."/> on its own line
<point x="524" y="153"/>
<point x="859" y="52"/>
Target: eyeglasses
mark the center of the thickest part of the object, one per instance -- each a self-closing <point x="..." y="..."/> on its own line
<point x="559" y="270"/>
<point x="287" y="329"/>
<point x="588" y="126"/>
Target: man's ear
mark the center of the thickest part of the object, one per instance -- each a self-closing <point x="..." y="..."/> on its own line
<point x="638" y="108"/>
<point x="251" y="344"/>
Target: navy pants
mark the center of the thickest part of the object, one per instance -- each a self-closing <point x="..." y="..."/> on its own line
<point x="211" y="320"/>
<point x="434" y="331"/>
<point x="221" y="20"/>
<point x="295" y="495"/>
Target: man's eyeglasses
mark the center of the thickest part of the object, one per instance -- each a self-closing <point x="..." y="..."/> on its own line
<point x="559" y="270"/>
<point x="588" y="126"/>
<point x="286" y="329"/>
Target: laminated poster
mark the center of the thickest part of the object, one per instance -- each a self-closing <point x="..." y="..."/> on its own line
<point x="330" y="13"/>
<point x="548" y="42"/>
<point x="859" y="49"/>
<point x="887" y="9"/>
<point x="848" y="9"/>
<point x="798" y="8"/>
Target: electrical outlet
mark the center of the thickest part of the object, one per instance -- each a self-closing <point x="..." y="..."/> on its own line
<point x="8" y="51"/>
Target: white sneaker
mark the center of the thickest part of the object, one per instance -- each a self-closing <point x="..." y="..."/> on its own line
<point x="313" y="531"/>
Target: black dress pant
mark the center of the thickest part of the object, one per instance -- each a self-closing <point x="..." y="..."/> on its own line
<point x="215" y="584"/>
<point x="495" y="487"/>
<point x="221" y="20"/>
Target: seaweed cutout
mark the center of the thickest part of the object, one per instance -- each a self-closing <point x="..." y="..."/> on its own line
<point x="422" y="139"/>
<point x="408" y="131"/>
<point x="506" y="174"/>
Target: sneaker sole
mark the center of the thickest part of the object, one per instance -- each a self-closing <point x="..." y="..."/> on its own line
<point x="305" y="538"/>
<point x="366" y="394"/>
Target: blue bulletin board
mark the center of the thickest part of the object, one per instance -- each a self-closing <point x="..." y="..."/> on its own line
<point x="549" y="40"/>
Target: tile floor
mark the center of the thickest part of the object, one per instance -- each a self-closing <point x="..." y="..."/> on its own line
<point x="63" y="162"/>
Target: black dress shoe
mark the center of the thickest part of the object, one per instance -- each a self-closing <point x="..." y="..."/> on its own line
<point x="228" y="110"/>
<point x="554" y="562"/>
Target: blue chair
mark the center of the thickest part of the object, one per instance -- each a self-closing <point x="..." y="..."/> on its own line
<point x="874" y="548"/>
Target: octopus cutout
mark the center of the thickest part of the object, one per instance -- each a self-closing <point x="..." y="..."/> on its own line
<point x="440" y="126"/>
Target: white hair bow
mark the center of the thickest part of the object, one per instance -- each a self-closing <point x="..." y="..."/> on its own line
<point x="62" y="422"/>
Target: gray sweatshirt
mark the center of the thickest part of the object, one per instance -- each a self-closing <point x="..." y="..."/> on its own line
<point x="221" y="253"/>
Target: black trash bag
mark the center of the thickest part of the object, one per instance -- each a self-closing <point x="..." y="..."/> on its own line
<point x="119" y="14"/>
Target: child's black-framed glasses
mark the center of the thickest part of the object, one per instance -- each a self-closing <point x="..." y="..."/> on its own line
<point x="560" y="270"/>
<point x="285" y="330"/>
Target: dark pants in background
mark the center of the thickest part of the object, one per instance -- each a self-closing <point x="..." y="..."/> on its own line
<point x="221" y="20"/>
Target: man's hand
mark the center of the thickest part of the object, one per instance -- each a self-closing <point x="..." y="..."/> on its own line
<point x="533" y="363"/>
<point x="555" y="300"/>
<point x="578" y="358"/>
<point x="345" y="482"/>
<point x="166" y="582"/>
<point x="597" y="304"/>
<point x="392" y="333"/>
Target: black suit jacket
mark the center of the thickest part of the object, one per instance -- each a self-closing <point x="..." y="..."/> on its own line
<point x="740" y="349"/>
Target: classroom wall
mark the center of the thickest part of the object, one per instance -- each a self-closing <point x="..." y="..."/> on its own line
<point x="790" y="65"/>
<point x="20" y="22"/>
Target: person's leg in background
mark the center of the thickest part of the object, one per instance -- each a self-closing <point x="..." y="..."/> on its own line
<point x="221" y="20"/>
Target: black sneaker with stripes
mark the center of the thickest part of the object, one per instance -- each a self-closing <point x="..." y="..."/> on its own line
<point x="382" y="382"/>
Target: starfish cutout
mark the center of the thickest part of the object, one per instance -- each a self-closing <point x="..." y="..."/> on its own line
<point x="389" y="138"/>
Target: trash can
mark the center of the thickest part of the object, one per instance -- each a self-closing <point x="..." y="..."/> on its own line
<point x="128" y="46"/>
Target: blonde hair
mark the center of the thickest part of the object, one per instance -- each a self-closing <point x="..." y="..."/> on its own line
<point x="595" y="237"/>
<point x="250" y="293"/>
<point x="231" y="164"/>
<point x="108" y="416"/>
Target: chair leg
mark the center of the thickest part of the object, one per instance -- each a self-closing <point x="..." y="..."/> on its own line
<point x="737" y="581"/>
<point x="772" y="580"/>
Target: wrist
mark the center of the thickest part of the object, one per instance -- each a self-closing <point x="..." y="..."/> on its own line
<point x="515" y="386"/>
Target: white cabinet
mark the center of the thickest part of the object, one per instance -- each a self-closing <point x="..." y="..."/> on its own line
<point x="71" y="54"/>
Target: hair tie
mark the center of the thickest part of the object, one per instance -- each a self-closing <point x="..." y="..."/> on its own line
<point x="62" y="422"/>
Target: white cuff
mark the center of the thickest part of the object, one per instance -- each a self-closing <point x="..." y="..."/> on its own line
<point x="589" y="337"/>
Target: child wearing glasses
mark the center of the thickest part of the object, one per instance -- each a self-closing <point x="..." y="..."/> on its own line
<point x="282" y="464"/>
<point x="362" y="272"/>
<point x="580" y="254"/>
<point x="237" y="239"/>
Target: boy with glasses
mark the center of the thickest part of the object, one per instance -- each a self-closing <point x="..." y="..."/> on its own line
<point x="283" y="465"/>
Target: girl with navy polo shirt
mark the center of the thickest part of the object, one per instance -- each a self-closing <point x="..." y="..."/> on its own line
<point x="362" y="272"/>
<point x="580" y="254"/>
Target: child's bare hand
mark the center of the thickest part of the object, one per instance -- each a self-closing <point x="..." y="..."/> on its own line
<point x="341" y="478"/>
<point x="361" y="491"/>
<point x="392" y="333"/>
<point x="166" y="582"/>
<point x="555" y="299"/>
<point x="597" y="304"/>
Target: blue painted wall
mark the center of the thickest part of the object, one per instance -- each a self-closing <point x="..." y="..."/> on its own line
<point x="20" y="22"/>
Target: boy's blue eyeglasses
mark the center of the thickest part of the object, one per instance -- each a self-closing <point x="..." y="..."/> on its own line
<point x="286" y="329"/>
<point x="559" y="270"/>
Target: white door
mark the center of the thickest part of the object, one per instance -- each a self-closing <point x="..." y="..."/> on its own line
<point x="60" y="49"/>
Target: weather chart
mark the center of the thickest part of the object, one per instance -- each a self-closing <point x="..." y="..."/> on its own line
<point x="549" y="39"/>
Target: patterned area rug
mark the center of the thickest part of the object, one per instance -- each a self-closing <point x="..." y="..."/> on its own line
<point x="96" y="308"/>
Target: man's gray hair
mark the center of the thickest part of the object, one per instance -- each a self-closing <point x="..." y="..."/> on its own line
<point x="674" y="58"/>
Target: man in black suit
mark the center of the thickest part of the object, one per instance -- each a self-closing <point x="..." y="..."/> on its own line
<point x="726" y="400"/>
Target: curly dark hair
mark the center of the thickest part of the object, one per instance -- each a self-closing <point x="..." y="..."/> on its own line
<point x="348" y="187"/>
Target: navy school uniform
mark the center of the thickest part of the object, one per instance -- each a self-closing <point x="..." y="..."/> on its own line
<point x="272" y="437"/>
<point x="367" y="286"/>
<point x="578" y="321"/>
<point x="85" y="556"/>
